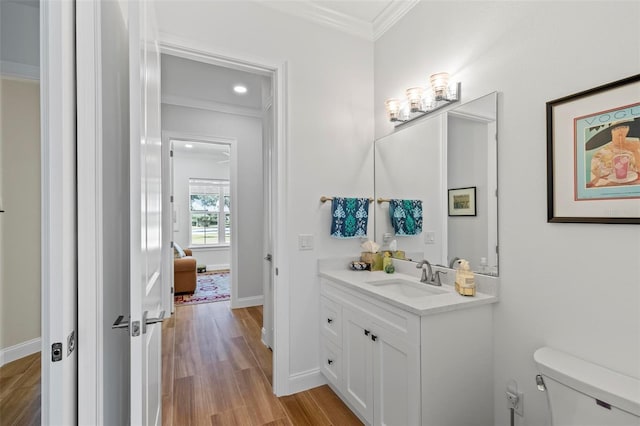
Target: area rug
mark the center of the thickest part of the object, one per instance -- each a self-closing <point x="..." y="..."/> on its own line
<point x="210" y="287"/>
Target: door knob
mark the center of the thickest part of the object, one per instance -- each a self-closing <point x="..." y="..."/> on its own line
<point x="268" y="257"/>
<point x="148" y="321"/>
<point x="120" y="323"/>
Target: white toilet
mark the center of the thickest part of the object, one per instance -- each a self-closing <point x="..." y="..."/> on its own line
<point x="584" y="394"/>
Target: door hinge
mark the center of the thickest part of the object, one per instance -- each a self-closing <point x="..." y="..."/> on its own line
<point x="71" y="342"/>
<point x="56" y="352"/>
<point x="171" y="290"/>
<point x="171" y="198"/>
<point x="276" y="272"/>
<point x="171" y="153"/>
<point x="171" y="244"/>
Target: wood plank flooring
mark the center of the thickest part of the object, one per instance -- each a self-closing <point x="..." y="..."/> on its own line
<point x="216" y="371"/>
<point x="20" y="391"/>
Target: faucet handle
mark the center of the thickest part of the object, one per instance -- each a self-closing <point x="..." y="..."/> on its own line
<point x="436" y="277"/>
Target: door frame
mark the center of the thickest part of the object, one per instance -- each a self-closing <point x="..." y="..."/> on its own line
<point x="167" y="228"/>
<point x="278" y="72"/>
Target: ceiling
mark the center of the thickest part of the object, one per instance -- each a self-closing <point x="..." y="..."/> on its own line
<point x="209" y="85"/>
<point x="368" y="19"/>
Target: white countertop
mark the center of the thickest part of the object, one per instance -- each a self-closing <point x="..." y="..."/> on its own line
<point x="423" y="305"/>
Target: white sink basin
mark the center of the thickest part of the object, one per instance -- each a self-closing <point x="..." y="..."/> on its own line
<point x="402" y="287"/>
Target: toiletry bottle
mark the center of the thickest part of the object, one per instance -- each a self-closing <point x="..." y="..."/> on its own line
<point x="387" y="263"/>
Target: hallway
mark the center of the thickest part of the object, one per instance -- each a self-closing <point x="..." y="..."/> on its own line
<point x="217" y="371"/>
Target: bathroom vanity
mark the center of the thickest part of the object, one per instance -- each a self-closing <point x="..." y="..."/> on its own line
<point x="401" y="352"/>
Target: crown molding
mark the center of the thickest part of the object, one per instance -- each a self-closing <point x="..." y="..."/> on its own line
<point x="187" y="102"/>
<point x="390" y="15"/>
<point x="371" y="31"/>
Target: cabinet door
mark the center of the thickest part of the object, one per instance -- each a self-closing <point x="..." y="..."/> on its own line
<point x="357" y="363"/>
<point x="396" y="377"/>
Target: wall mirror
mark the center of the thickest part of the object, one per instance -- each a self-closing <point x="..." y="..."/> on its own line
<point x="448" y="162"/>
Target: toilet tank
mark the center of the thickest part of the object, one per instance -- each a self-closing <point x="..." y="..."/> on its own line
<point x="584" y="394"/>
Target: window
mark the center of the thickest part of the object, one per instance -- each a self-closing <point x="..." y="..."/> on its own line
<point x="210" y="208"/>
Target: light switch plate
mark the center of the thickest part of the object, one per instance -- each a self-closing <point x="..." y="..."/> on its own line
<point x="305" y="242"/>
<point x="429" y="237"/>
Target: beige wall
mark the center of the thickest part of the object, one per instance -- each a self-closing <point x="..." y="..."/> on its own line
<point x="20" y="224"/>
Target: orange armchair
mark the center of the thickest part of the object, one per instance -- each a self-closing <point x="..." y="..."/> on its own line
<point x="184" y="273"/>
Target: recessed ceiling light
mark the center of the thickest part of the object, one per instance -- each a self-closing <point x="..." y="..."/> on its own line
<point x="188" y="145"/>
<point x="240" y="89"/>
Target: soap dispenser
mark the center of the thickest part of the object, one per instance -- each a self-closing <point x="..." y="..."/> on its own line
<point x="465" y="280"/>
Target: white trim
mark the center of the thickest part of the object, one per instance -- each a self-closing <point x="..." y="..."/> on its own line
<point x="305" y="380"/>
<point x="218" y="267"/>
<point x="391" y="15"/>
<point x="277" y="70"/>
<point x="20" y="350"/>
<point x="328" y="17"/>
<point x="246" y="302"/>
<point x="58" y="207"/>
<point x="325" y="16"/>
<point x="89" y="128"/>
<point x="186" y="102"/>
<point x="18" y="70"/>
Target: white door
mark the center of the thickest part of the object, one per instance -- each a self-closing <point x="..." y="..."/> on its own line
<point x="268" y="270"/>
<point x="396" y="386"/>
<point x="146" y="216"/>
<point x="59" y="278"/>
<point x="357" y="363"/>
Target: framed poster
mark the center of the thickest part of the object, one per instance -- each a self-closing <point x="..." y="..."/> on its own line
<point x="462" y="201"/>
<point x="593" y="155"/>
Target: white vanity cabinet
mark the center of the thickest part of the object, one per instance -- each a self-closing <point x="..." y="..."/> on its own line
<point x="379" y="357"/>
<point x="395" y="367"/>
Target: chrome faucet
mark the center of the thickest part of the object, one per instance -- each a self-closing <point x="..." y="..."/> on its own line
<point x="428" y="277"/>
<point x="427" y="274"/>
<point x="453" y="261"/>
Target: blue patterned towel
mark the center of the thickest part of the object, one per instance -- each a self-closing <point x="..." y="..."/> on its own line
<point x="349" y="217"/>
<point x="406" y="216"/>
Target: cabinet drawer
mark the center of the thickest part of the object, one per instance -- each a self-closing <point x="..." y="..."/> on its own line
<point x="331" y="362"/>
<point x="402" y="324"/>
<point x="331" y="320"/>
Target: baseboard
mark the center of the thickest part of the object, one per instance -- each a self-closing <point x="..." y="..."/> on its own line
<point x="306" y="380"/>
<point x="219" y="267"/>
<point x="20" y="350"/>
<point x="246" y="302"/>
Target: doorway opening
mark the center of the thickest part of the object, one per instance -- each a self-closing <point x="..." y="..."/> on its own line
<point x="201" y="96"/>
<point x="203" y="216"/>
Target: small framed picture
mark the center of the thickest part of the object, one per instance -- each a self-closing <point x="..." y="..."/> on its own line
<point x="462" y="201"/>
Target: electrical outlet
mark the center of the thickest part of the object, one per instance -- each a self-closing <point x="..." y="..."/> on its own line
<point x="515" y="400"/>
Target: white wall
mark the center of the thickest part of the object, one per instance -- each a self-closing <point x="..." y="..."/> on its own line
<point x="330" y="129"/>
<point x="248" y="133"/>
<point x="20" y="39"/>
<point x="20" y="224"/>
<point x="562" y="285"/>
<point x="201" y="166"/>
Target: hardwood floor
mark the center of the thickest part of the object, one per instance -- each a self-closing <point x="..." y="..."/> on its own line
<point x="216" y="371"/>
<point x="20" y="391"/>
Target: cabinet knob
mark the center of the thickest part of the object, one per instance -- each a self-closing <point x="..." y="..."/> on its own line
<point x="329" y="320"/>
<point x="329" y="361"/>
<point x="366" y="332"/>
<point x="374" y="337"/>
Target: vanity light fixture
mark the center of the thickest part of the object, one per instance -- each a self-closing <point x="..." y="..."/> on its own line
<point x="420" y="101"/>
<point x="393" y="109"/>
